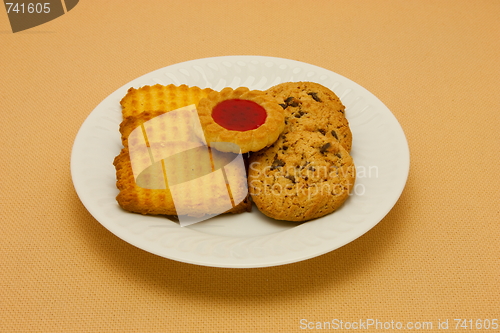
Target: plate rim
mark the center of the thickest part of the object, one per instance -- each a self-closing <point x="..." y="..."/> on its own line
<point x="298" y="258"/>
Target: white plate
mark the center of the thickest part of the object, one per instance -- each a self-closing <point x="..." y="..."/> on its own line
<point x="379" y="149"/>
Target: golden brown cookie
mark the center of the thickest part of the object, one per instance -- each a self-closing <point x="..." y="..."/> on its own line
<point x="162" y="126"/>
<point x="160" y="98"/>
<point x="240" y="120"/>
<point x="149" y="192"/>
<point x="132" y="122"/>
<point x="312" y="107"/>
<point x="302" y="176"/>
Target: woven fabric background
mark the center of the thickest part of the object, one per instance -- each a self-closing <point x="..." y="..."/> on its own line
<point x="434" y="258"/>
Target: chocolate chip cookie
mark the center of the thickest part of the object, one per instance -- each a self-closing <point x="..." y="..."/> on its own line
<point x="300" y="177"/>
<point x="308" y="172"/>
<point x="312" y="107"/>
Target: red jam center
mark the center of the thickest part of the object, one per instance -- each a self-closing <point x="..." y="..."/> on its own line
<point x="239" y="115"/>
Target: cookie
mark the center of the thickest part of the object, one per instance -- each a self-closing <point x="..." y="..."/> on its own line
<point x="149" y="191"/>
<point x="308" y="172"/>
<point x="240" y="120"/>
<point x="312" y="107"/>
<point x="158" y="126"/>
<point x="129" y="124"/>
<point x="302" y="176"/>
<point x="160" y="98"/>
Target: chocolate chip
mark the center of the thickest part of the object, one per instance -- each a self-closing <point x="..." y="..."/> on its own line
<point x="299" y="114"/>
<point x="292" y="178"/>
<point x="335" y="135"/>
<point x="285" y="147"/>
<point x="338" y="155"/>
<point x="322" y="131"/>
<point x="314" y="95"/>
<point x="325" y="147"/>
<point x="292" y="101"/>
<point x="283" y="105"/>
<point x="277" y="163"/>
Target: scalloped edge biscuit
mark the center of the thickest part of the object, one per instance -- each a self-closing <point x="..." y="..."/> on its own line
<point x="160" y="98"/>
<point x="136" y="199"/>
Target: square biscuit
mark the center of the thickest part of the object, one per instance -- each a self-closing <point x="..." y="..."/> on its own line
<point x="150" y="193"/>
<point x="160" y="98"/>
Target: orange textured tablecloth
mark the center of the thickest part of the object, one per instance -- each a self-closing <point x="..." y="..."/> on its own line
<point x="433" y="262"/>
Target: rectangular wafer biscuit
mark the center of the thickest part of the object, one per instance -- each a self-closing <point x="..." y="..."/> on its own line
<point x="160" y="98"/>
<point x="162" y="126"/>
<point x="159" y="200"/>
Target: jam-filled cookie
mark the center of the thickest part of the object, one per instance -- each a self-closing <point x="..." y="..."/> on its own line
<point x="240" y="120"/>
